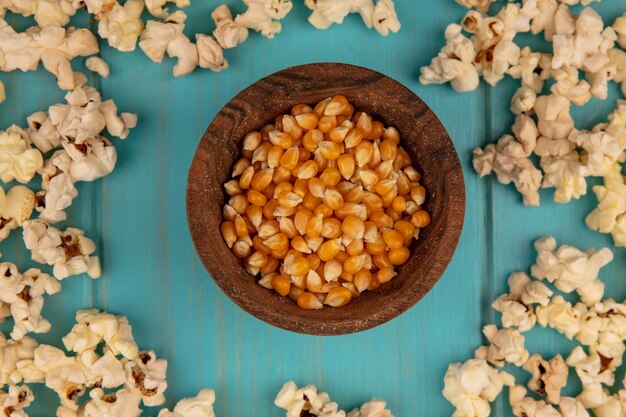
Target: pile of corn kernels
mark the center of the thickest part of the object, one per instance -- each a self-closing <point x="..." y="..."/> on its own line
<point x="324" y="203"/>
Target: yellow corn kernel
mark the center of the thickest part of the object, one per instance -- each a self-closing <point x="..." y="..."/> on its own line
<point x="241" y="249"/>
<point x="258" y="260"/>
<point x="385" y="186"/>
<point x="332" y="270"/>
<point x="240" y="166"/>
<point x="380" y="219"/>
<point x="404" y="185"/>
<point x="372" y="201"/>
<point x="376" y="158"/>
<point x="388" y="150"/>
<point x="310" y="202"/>
<point x="418" y="194"/>
<point x="283" y="187"/>
<point x="351" y="208"/>
<point x="232" y="188"/>
<point x="274" y="156"/>
<point x="301" y="219"/>
<point x="291" y="127"/>
<point x="299" y="244"/>
<point x="399" y="256"/>
<point x="288" y="227"/>
<point x="268" y="191"/>
<point x="338" y="297"/>
<point x="385" y="275"/>
<point x="388" y="198"/>
<point x="364" y="123"/>
<point x="328" y="250"/>
<point x="323" y="210"/>
<point x="252" y="270"/>
<point x="298" y="281"/>
<point x="289" y="159"/>
<point x="406" y="230"/>
<point x="346" y="165"/>
<point x="281" y="284"/>
<point x="271" y="267"/>
<point x="321" y="106"/>
<point x="320" y="161"/>
<point x="421" y="219"/>
<point x="314" y="242"/>
<point x="333" y="199"/>
<point x="259" y="246"/>
<point x="362" y="279"/>
<point x="252" y="141"/>
<point x="355" y="247"/>
<point x="354" y="137"/>
<point x="308" y="170"/>
<point x="314" y="226"/>
<point x="354" y="195"/>
<point x="393" y="239"/>
<point x="312" y="140"/>
<point x="240" y="226"/>
<point x="281" y="175"/>
<point x="392" y="134"/>
<point x="405" y="159"/>
<point x="299" y="266"/>
<point x="344" y="186"/>
<point x="285" y="211"/>
<point x="281" y="139"/>
<point x="330" y="177"/>
<point x="384" y="170"/>
<point x="314" y="260"/>
<point x="399" y="204"/>
<point x="229" y="233"/>
<point x="331" y="228"/>
<point x="256" y="198"/>
<point x="412" y="174"/>
<point x="353" y="264"/>
<point x="338" y="134"/>
<point x="269" y="208"/>
<point x="307" y="121"/>
<point x="276" y="242"/>
<point x="295" y="292"/>
<point x="326" y="124"/>
<point x="368" y="177"/>
<point x="246" y="178"/>
<point x="255" y="214"/>
<point x="308" y="301"/>
<point x="395" y="215"/>
<point x="301" y="187"/>
<point x="336" y="106"/>
<point x="289" y="199"/>
<point x="268" y="228"/>
<point x="353" y="227"/>
<point x="381" y="261"/>
<point x="299" y="109"/>
<point x="260" y="154"/>
<point x="316" y="187"/>
<point x="330" y="150"/>
<point x="371" y="232"/>
<point x="378" y="129"/>
<point x="313" y="281"/>
<point x="376" y="246"/>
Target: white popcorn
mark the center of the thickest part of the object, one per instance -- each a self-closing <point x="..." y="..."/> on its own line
<point x="385" y="18"/>
<point x="120" y="25"/>
<point x="564" y="173"/>
<point x="12" y="354"/>
<point x="481" y="5"/>
<point x="145" y="377"/>
<point x="506" y="346"/>
<point x="91" y="159"/>
<point x="568" y="85"/>
<point x="18" y="160"/>
<point x="58" y="188"/>
<point x="532" y="68"/>
<point x="620" y="29"/>
<point x="610" y="215"/>
<point x="548" y="378"/>
<point x="617" y="58"/>
<point x="526" y="133"/>
<point x="570" y="407"/>
<point x="119" y="403"/>
<point x="527" y="407"/>
<point x="553" y="116"/>
<point x="593" y="396"/>
<point x="373" y="408"/>
<point x="592" y="368"/>
<point x="509" y="161"/>
<point x="523" y="101"/>
<point x="157" y="7"/>
<point x="228" y="33"/>
<point x="306" y="400"/>
<point x="472" y="385"/>
<point x="454" y="63"/>
<point x="516" y="307"/>
<point x="104" y="371"/>
<point x="561" y="316"/>
<point x="16" y="207"/>
<point x="13" y="401"/>
<point x="69" y="252"/>
<point x="601" y="151"/>
<point x="45" y="12"/>
<point x="210" y="53"/>
<point x="97" y="65"/>
<point x="199" y="406"/>
<point x="327" y="12"/>
<point x="264" y="15"/>
<point x="43" y="133"/>
<point x="569" y="268"/>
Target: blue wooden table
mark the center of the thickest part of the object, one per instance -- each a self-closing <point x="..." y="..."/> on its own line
<point x="152" y="274"/>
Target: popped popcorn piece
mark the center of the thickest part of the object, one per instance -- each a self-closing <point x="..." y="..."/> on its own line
<point x="327" y="12"/>
<point x="63" y="374"/>
<point x="480" y="5"/>
<point x="509" y="161"/>
<point x="527" y="407"/>
<point x="145" y="377"/>
<point x="210" y="53"/>
<point x="306" y="400"/>
<point x="45" y="12"/>
<point x="593" y="396"/>
<point x="568" y="85"/>
<point x="564" y="173"/>
<point x="454" y="63"/>
<point x="228" y="33"/>
<point x="385" y="18"/>
<point x="15" y="400"/>
<point x="532" y="68"/>
<point x="553" y="116"/>
<point x="18" y="160"/>
<point x="523" y="101"/>
<point x="120" y="25"/>
<point x="617" y="58"/>
<point x="157" y="7"/>
<point x="199" y="406"/>
<point x="506" y="346"/>
<point x="13" y="355"/>
<point x="516" y="307"/>
<point x="105" y="371"/>
<point x="526" y="133"/>
<point x="570" y="269"/>
<point x="43" y="133"/>
<point x="91" y="159"/>
<point x="548" y="378"/>
<point x="561" y="316"/>
<point x="373" y="408"/>
<point x="58" y="190"/>
<point x="16" y="207"/>
<point x="601" y="151"/>
<point x="97" y="65"/>
<point x="570" y="407"/>
<point x="472" y="385"/>
<point x="610" y="215"/>
<point x="592" y="368"/>
<point x="55" y="46"/>
<point x="264" y="15"/>
<point x="119" y="403"/>
<point x="619" y="26"/>
<point x="69" y="252"/>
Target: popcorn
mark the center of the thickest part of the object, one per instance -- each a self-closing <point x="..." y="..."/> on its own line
<point x="532" y="68"/>
<point x="68" y="252"/>
<point x="45" y="12"/>
<point x="509" y="161"/>
<point x="58" y="188"/>
<point x="210" y="53"/>
<point x="472" y="385"/>
<point x="564" y="173"/>
<point x="145" y="377"/>
<point x="120" y="25"/>
<point x="481" y="5"/>
<point x="568" y="85"/>
<point x="506" y="346"/>
<point x="16" y="206"/>
<point x="13" y="402"/>
<point x="18" y="160"/>
<point x="527" y="407"/>
<point x="561" y="316"/>
<point x="610" y="215"/>
<point x="43" y="133"/>
<point x="571" y="269"/>
<point x="526" y="133"/>
<point x="97" y="65"/>
<point x="601" y="151"/>
<point x="13" y="354"/>
<point x="385" y="19"/>
<point x="120" y="403"/>
<point x="570" y="407"/>
<point x="593" y="396"/>
<point x="373" y="408"/>
<point x="228" y="33"/>
<point x="548" y="378"/>
<point x="617" y="59"/>
<point x="198" y="406"/>
<point x="591" y="369"/>
<point x="306" y="400"/>
<point x="516" y="307"/>
<point x="553" y="117"/>
<point x="327" y="12"/>
<point x="91" y="159"/>
<point x="264" y="15"/>
<point x="619" y="26"/>
<point x="523" y="101"/>
<point x="157" y="7"/>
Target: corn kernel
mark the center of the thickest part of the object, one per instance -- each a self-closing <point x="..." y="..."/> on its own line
<point x="346" y="165"/>
<point x="385" y="186"/>
<point x="380" y="219"/>
<point x="314" y="226"/>
<point x="271" y="267"/>
<point x="336" y="106"/>
<point x="385" y="275"/>
<point x="412" y="174"/>
<point x="355" y="247"/>
<point x="310" y="202"/>
<point x="338" y="297"/>
<point x="229" y="233"/>
<point x="299" y="266"/>
<point x="421" y="219"/>
<point x="289" y="199"/>
<point x="393" y="239"/>
<point x="353" y="227"/>
<point x="333" y="199"/>
<point x="377" y="246"/>
<point x="323" y="210"/>
<point x="289" y="159"/>
<point x="281" y="175"/>
<point x="371" y="232"/>
<point x="312" y="140"/>
<point x="232" y="188"/>
<point x="295" y="292"/>
<point x="353" y="264"/>
<point x="330" y="177"/>
<point x="299" y="244"/>
<point x="291" y="127"/>
<point x="241" y="249"/>
<point x="240" y="226"/>
<point x="316" y="187"/>
<point x="259" y="246"/>
<point x="269" y="208"/>
<point x="368" y="177"/>
<point x="252" y="270"/>
<point x="307" y="121"/>
<point x="355" y="195"/>
<point x="313" y="281"/>
<point x="307" y="170"/>
<point x="301" y="219"/>
<point x="362" y="279"/>
<point x="332" y="270"/>
<point x="399" y="256"/>
<point x="388" y="150"/>
<point x="314" y="242"/>
<point x="281" y="284"/>
<point x="246" y="178"/>
<point x="354" y="137"/>
<point x="326" y="124"/>
<point x="285" y="211"/>
<point x="399" y="204"/>
<point x="418" y="194"/>
<point x="287" y="226"/>
<point x="301" y="187"/>
<point x="391" y="133"/>
<point x="321" y="106"/>
<point x="406" y="229"/>
<point x="299" y="109"/>
<point x="281" y="139"/>
<point x="364" y="123"/>
<point x="240" y="166"/>
<point x="252" y="141"/>
<point x="258" y="259"/>
<point x="274" y="156"/>
<point x="378" y="129"/>
<point x="331" y="228"/>
<point x="277" y="242"/>
<point x="256" y="198"/>
<point x="260" y="154"/>
<point x="388" y="198"/>
<point x="308" y="301"/>
<point x="255" y="214"/>
<point x="328" y="250"/>
<point x="322" y="163"/>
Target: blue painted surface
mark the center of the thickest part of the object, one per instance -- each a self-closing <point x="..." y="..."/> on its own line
<point x="152" y="274"/>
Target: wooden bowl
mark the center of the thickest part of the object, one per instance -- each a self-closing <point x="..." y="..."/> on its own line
<point x="422" y="135"/>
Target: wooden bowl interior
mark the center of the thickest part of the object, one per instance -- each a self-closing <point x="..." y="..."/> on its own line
<point x="423" y="137"/>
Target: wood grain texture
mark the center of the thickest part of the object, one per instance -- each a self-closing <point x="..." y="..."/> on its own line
<point x="152" y="274"/>
<point x="423" y="137"/>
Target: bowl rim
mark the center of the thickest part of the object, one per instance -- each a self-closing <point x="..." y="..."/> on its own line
<point x="453" y="228"/>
